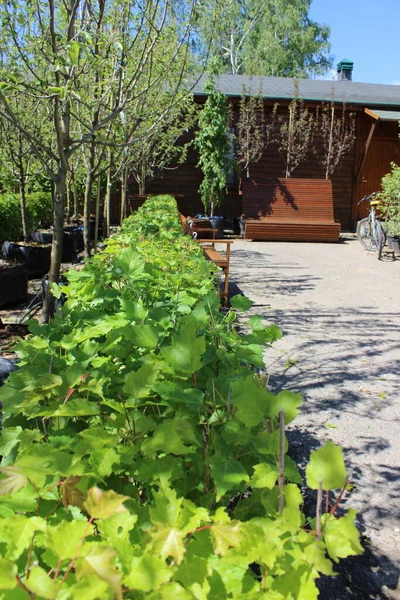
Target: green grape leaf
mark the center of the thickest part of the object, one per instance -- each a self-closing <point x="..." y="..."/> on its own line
<point x="326" y="465"/>
<point x="251" y="400"/>
<point x="144" y="336"/>
<point x="169" y="542"/>
<point x="9" y="438"/>
<point x="315" y="554"/>
<point x="166" y="438"/>
<point x="265" y="476"/>
<point x="138" y="383"/>
<point x="241" y="302"/>
<point x="252" y="354"/>
<point x="172" y="591"/>
<point x="17" y="531"/>
<point x="289" y="401"/>
<point x="8" y="574"/>
<point x="291" y="471"/>
<point x="76" y="407"/>
<point x="101" y="505"/>
<point x="42" y="584"/>
<point x="37" y="463"/>
<point x="224" y="537"/>
<point x="147" y="573"/>
<point x="192" y="571"/>
<point x="12" y="480"/>
<point x="292" y="495"/>
<point x="166" y="507"/>
<point x="341" y="536"/>
<point x="89" y="587"/>
<point x="99" y="561"/>
<point x="64" y="539"/>
<point x="103" y="460"/>
<point x="186" y="350"/>
<point x="227" y="473"/>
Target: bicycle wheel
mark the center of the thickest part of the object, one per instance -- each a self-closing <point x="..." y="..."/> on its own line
<point x="365" y="234"/>
<point x="380" y="238"/>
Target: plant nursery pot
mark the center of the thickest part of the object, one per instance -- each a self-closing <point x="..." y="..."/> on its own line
<point x="394" y="243"/>
<point x="35" y="258"/>
<point x="13" y="285"/>
<point x="70" y="243"/>
<point x="218" y="223"/>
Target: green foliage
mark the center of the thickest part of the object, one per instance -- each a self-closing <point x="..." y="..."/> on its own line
<point x="212" y="141"/>
<point x="390" y="200"/>
<point x="268" y="37"/>
<point x="39" y="214"/>
<point x="133" y="422"/>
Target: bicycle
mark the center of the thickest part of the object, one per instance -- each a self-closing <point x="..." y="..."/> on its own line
<point x="370" y="231"/>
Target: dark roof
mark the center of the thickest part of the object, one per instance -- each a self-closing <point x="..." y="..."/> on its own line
<point x="281" y="88"/>
<point x="387" y="115"/>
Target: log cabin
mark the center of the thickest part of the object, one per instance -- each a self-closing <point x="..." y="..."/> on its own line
<point x="377" y="114"/>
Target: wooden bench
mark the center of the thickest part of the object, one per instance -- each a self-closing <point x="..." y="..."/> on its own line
<point x="221" y="260"/>
<point x="289" y="210"/>
<point x="202" y="226"/>
<point x="212" y="254"/>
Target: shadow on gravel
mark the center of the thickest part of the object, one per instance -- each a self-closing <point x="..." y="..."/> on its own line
<point x="260" y="273"/>
<point x="343" y="352"/>
<point x="365" y="577"/>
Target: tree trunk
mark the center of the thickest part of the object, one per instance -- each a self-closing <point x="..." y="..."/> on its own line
<point x="68" y="200"/>
<point x="142" y="180"/>
<point x="97" y="214"/>
<point x="107" y="200"/>
<point x="74" y="192"/>
<point x="124" y="185"/>
<point x="88" y="200"/>
<point x="57" y="246"/>
<point x="22" y="196"/>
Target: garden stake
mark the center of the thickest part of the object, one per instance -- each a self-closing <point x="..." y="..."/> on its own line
<point x="281" y="478"/>
<point x="319" y="502"/>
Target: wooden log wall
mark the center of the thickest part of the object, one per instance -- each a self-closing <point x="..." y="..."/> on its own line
<point x="186" y="179"/>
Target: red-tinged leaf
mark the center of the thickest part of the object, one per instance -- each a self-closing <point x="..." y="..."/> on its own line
<point x="13" y="480"/>
<point x="69" y="394"/>
<point x="71" y="495"/>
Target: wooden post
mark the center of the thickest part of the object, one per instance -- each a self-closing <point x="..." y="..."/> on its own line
<point x="360" y="168"/>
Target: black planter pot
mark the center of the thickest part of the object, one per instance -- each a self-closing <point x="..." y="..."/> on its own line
<point x="13" y="285"/>
<point x="70" y="243"/>
<point x="78" y="232"/>
<point x="394" y="243"/>
<point x="36" y="259"/>
<point x="218" y="223"/>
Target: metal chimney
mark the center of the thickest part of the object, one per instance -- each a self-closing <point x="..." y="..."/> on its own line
<point x="344" y="69"/>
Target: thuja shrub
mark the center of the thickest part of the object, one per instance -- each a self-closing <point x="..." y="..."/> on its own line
<point x="143" y="456"/>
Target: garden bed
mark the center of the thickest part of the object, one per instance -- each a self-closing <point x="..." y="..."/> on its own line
<point x="135" y="418"/>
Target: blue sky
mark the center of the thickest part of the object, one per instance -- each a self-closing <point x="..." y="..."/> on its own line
<point x="366" y="32"/>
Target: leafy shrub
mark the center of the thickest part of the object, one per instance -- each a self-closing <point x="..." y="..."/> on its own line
<point x="390" y="200"/>
<point x="39" y="214"/>
<point x="137" y="421"/>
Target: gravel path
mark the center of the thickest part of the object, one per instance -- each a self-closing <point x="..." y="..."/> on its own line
<point x="338" y="308"/>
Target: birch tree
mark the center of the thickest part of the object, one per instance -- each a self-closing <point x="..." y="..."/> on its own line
<point x="269" y="37"/>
